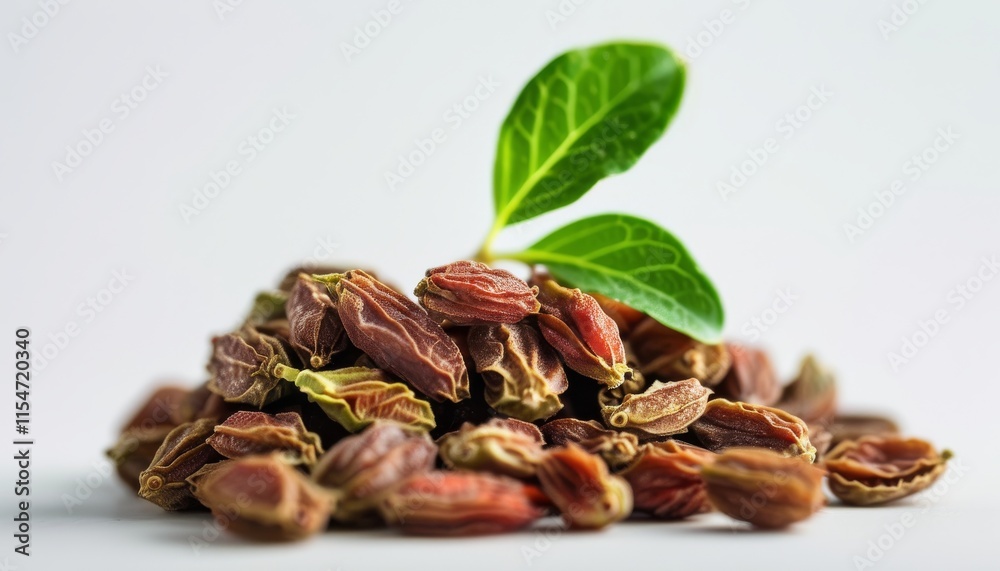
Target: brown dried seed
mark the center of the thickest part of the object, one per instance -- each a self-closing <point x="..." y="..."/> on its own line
<point x="616" y="448"/>
<point x="661" y="410"/>
<point x="164" y="407"/>
<point x="367" y="466"/>
<point x="727" y="424"/>
<point x="523" y="376"/>
<point x="182" y="453"/>
<point x="666" y="480"/>
<point x="579" y="484"/>
<point x="315" y="330"/>
<point x="263" y="498"/>
<point x="459" y="503"/>
<point x="812" y="395"/>
<point x="762" y="487"/>
<point x="586" y="338"/>
<point x="751" y="377"/>
<point x="669" y="355"/>
<point x="399" y="335"/>
<point x="472" y="293"/>
<point x="246" y="433"/>
<point x="134" y="451"/>
<point x="879" y="469"/>
<point x="242" y="367"/>
<point x="503" y="446"/>
<point x="856" y="426"/>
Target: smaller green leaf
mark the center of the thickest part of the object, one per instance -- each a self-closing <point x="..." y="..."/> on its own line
<point x="637" y="262"/>
<point x="358" y="396"/>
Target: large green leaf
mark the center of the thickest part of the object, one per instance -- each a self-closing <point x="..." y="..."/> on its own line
<point x="637" y="262"/>
<point x="588" y="114"/>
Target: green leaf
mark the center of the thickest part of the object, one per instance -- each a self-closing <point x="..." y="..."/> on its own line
<point x="637" y="262"/>
<point x="588" y="114"/>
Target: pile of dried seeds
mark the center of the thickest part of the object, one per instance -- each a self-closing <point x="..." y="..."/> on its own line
<point x="491" y="404"/>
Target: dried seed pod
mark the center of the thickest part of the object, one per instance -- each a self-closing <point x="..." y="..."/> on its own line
<point x="661" y="410"/>
<point x="399" y="335"/>
<point x="616" y="448"/>
<point x="182" y="453"/>
<point x="751" y="377"/>
<point x="522" y="375"/>
<point x="135" y="449"/>
<point x="856" y="426"/>
<point x="164" y="407"/>
<point x="666" y="480"/>
<point x="242" y="367"/>
<point x="762" y="487"/>
<point x="357" y="396"/>
<point x="367" y="466"/>
<point x="263" y="498"/>
<point x="459" y="503"/>
<point x="586" y="338"/>
<point x="878" y="469"/>
<point x="503" y="446"/>
<point x="670" y="355"/>
<point x="315" y="330"/>
<point x="812" y="395"/>
<point x="579" y="484"/>
<point x="727" y="424"/>
<point x="625" y="317"/>
<point x="247" y="433"/>
<point x="472" y="293"/>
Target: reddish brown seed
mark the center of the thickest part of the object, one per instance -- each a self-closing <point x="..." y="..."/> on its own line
<point x="668" y="355"/>
<point x="242" y="367"/>
<point x="502" y="446"/>
<point x="586" y="338"/>
<point x="263" y="498"/>
<point x="459" y="503"/>
<point x="762" y="487"/>
<point x="472" y="293"/>
<point x="523" y="376"/>
<point x="727" y="424"/>
<point x="616" y="448"/>
<point x="315" y="330"/>
<point x="367" y="466"/>
<point x="879" y="469"/>
<point x="247" y="433"/>
<point x="578" y="483"/>
<point x="856" y="426"/>
<point x="751" y="377"/>
<point x="666" y="480"/>
<point x="400" y="337"/>
<point x="660" y="410"/>
<point x="183" y="452"/>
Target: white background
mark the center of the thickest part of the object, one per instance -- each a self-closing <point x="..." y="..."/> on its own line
<point x="321" y="181"/>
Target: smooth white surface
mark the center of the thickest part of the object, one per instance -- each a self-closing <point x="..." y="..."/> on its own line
<point x="322" y="181"/>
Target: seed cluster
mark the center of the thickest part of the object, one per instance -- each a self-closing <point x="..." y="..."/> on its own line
<point x="492" y="402"/>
